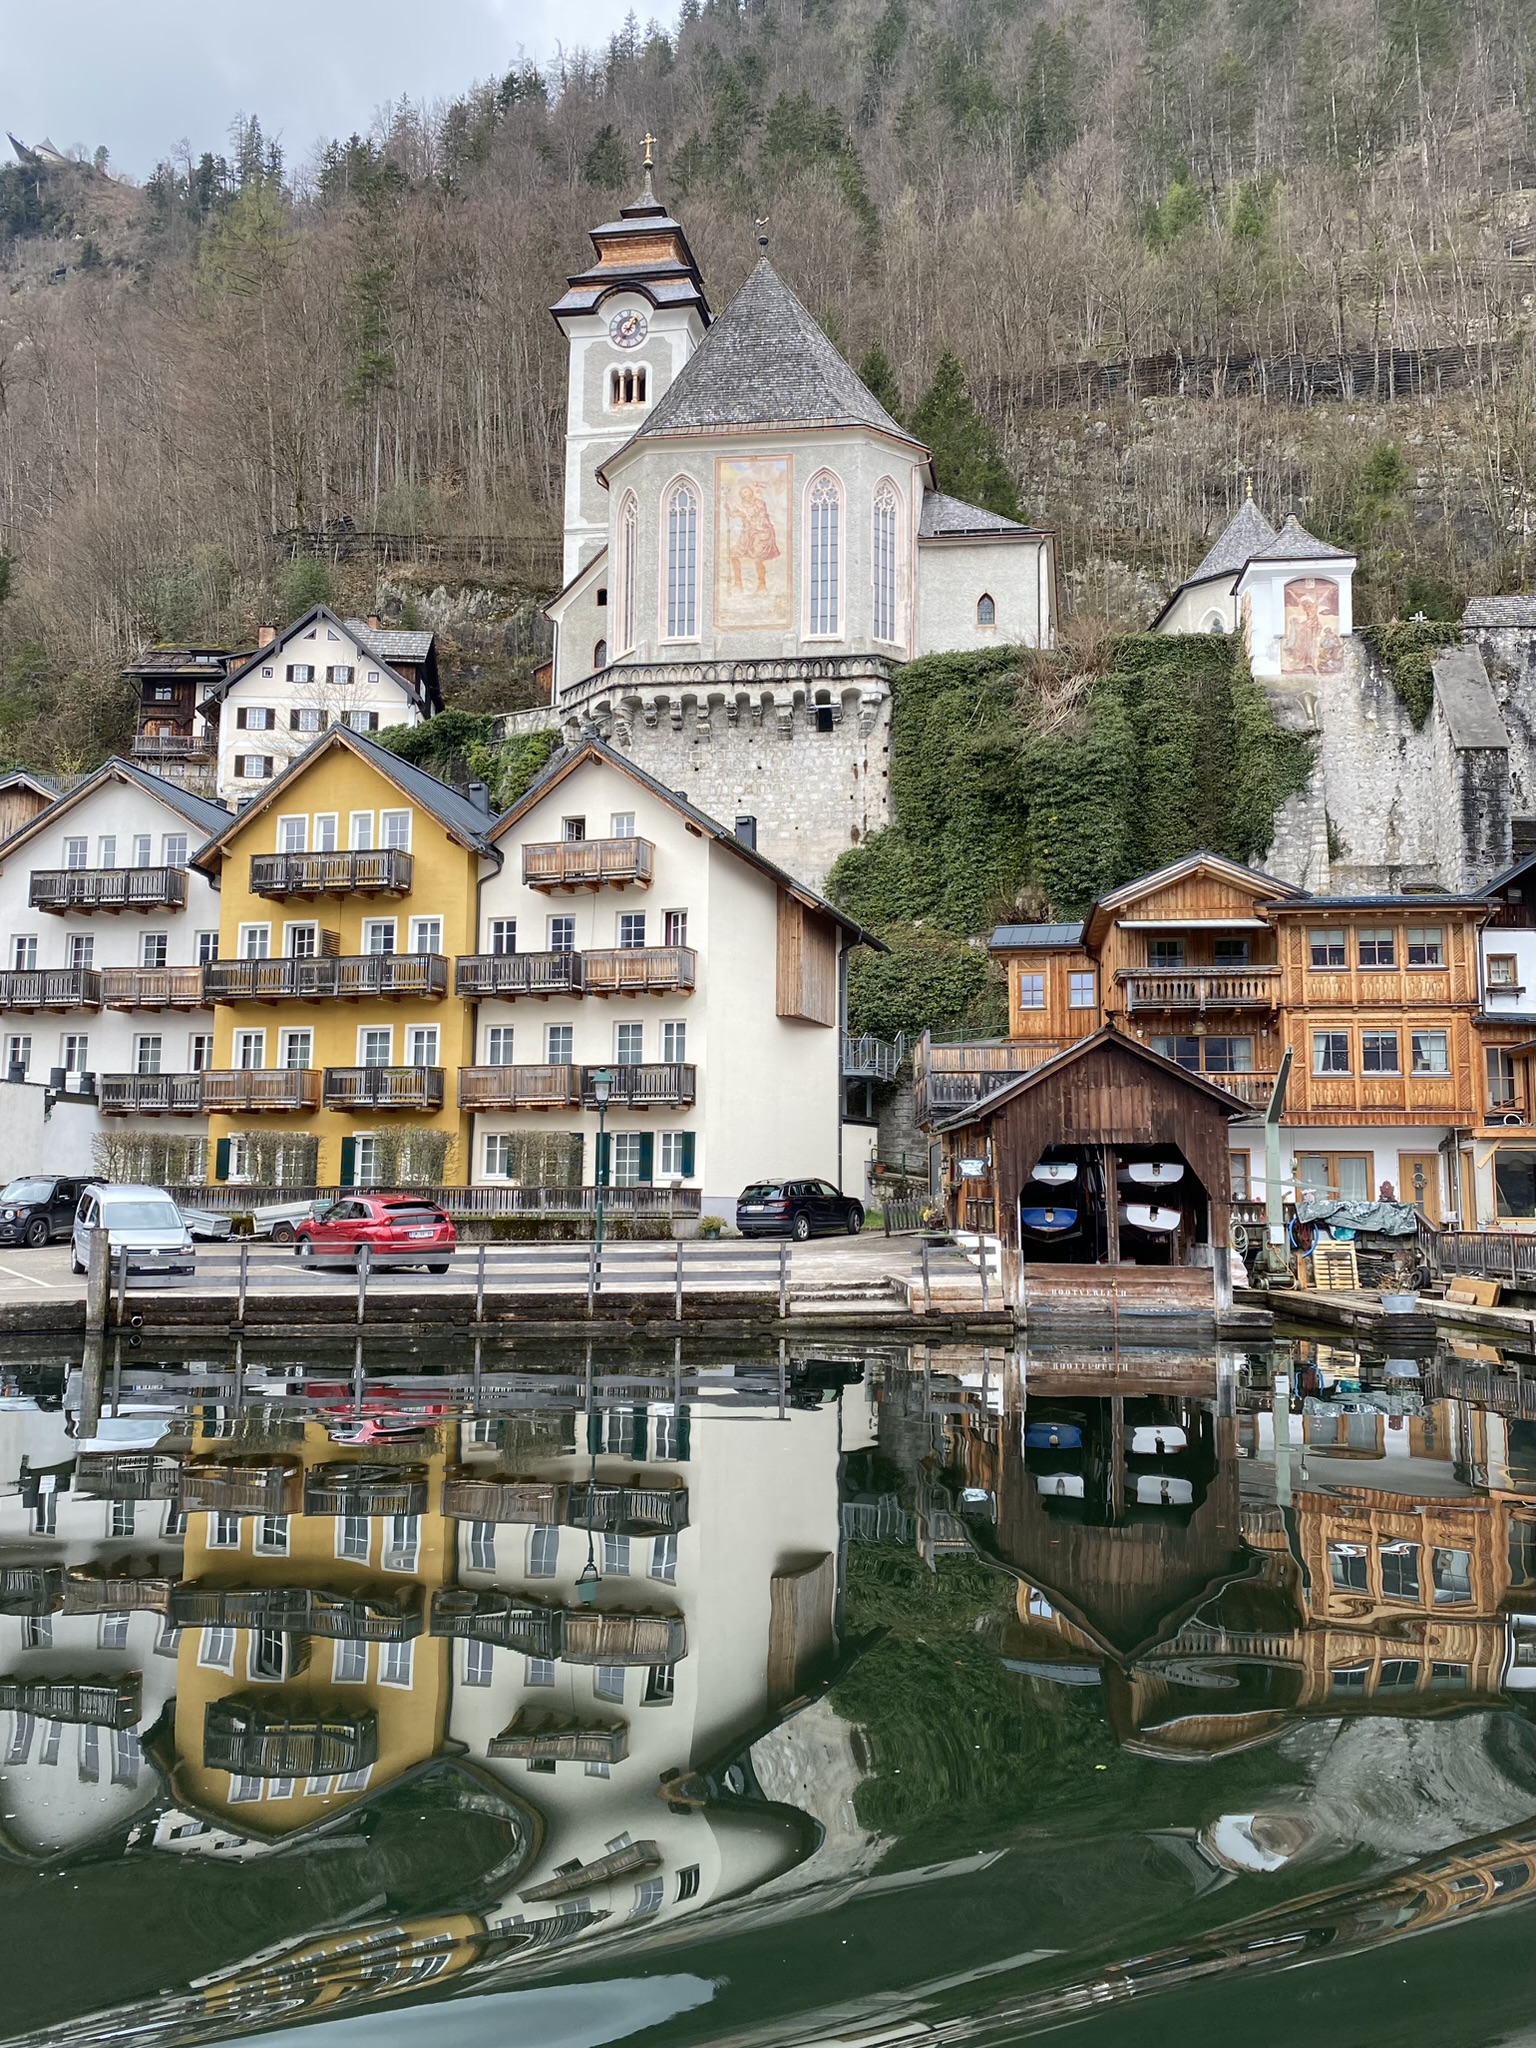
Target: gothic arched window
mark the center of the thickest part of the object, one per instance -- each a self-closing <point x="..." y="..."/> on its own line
<point x="629" y="523"/>
<point x="600" y="655"/>
<point x="682" y="561"/>
<point x="986" y="611"/>
<point x="824" y="519"/>
<point x="883" y="554"/>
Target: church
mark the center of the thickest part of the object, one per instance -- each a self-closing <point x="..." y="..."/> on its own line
<point x="752" y="546"/>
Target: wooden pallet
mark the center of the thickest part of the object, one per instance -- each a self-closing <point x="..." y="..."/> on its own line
<point x="1335" y="1269"/>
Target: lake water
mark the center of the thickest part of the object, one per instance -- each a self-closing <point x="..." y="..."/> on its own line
<point x="551" y="1695"/>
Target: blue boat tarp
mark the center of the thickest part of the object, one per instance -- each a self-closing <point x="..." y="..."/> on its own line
<point x="1048" y="1219"/>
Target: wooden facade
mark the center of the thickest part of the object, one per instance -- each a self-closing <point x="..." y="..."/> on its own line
<point x="807" y="963"/>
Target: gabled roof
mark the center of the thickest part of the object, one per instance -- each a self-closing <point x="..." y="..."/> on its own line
<point x="1085" y="1048"/>
<point x="23" y="778"/>
<point x="366" y="638"/>
<point x="1012" y="938"/>
<point x="1267" y="889"/>
<point x="1490" y="613"/>
<point x="565" y="765"/>
<point x="461" y="818"/>
<point x="1522" y="870"/>
<point x="198" y="664"/>
<point x="1244" y="534"/>
<point x="944" y="516"/>
<point x="1293" y="543"/>
<point x="765" y="363"/>
<point x="198" y="812"/>
<point x="395" y="643"/>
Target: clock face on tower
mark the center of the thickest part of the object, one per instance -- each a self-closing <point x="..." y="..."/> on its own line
<point x="627" y="330"/>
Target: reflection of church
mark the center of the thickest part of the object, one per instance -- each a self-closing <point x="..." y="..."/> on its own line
<point x="752" y="544"/>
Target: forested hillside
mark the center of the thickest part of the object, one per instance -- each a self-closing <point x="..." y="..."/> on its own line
<point x="1168" y="240"/>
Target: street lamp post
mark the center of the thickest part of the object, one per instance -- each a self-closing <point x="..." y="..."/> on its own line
<point x="602" y="1087"/>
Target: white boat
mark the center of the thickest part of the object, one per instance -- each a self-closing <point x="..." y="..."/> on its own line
<point x="1156" y="1217"/>
<point x="1060" y="1485"/>
<point x="1147" y="1439"/>
<point x="1154" y="1490"/>
<point x="1162" y="1173"/>
<point x="1056" y="1173"/>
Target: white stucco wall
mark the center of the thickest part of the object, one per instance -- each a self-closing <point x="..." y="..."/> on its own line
<point x="320" y="646"/>
<point x="953" y="574"/>
<point x="1383" y="1143"/>
<point x="1261" y="592"/>
<point x="1198" y="604"/>
<point x="49" y="1134"/>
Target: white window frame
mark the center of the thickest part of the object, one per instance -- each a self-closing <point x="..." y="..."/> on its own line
<point x="823" y="527"/>
<point x="885" y="555"/>
<point x="258" y="936"/>
<point x="360" y="823"/>
<point x="367" y="1031"/>
<point x="429" y="928"/>
<point x="397" y="1663"/>
<point x="395" y="828"/>
<point x="681" y="503"/>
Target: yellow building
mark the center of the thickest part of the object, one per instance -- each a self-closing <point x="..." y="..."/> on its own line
<point x="347" y="887"/>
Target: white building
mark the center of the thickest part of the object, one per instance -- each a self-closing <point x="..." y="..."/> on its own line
<point x="1289" y="593"/>
<point x="320" y="671"/>
<point x="626" y="931"/>
<point x="106" y="929"/>
<point x="752" y="545"/>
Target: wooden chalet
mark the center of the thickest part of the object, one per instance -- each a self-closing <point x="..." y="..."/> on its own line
<point x="1106" y="1174"/>
<point x="171" y="683"/>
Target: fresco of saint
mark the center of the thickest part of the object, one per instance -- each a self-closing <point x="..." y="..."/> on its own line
<point x="752" y="558"/>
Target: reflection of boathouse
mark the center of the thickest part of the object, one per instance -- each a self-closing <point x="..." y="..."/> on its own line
<point x="1107" y="1173"/>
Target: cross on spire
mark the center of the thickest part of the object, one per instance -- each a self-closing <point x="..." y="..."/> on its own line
<point x="648" y="190"/>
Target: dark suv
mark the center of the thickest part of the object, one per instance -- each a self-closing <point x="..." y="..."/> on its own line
<point x="769" y="1208"/>
<point x="37" y="1209"/>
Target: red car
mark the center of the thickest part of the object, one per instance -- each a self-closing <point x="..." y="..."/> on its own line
<point x="399" y="1230"/>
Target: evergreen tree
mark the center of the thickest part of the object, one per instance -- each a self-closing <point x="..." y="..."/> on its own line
<point x="878" y="377"/>
<point x="966" y="458"/>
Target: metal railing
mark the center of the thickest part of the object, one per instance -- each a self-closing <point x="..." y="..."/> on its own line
<point x="250" y="1089"/>
<point x="876" y="1059"/>
<point x="587" y="863"/>
<point x="50" y="988"/>
<point x="383" y="1088"/>
<point x="378" y="870"/>
<point x="518" y="974"/>
<point x="640" y="970"/>
<point x="153" y="988"/>
<point x="1167" y="988"/>
<point x="151" y="1094"/>
<point x="348" y="975"/>
<point x="239" y="1197"/>
<point x="107" y="889"/>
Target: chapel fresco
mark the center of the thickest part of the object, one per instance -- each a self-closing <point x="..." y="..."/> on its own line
<point x="752" y="544"/>
<point x="1311" y="646"/>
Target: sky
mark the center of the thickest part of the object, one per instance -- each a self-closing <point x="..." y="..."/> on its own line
<point x="138" y="76"/>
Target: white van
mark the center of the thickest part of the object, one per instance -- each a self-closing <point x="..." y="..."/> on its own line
<point x="144" y="1220"/>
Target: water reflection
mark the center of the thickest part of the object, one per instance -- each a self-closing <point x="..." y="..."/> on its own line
<point x="518" y="1666"/>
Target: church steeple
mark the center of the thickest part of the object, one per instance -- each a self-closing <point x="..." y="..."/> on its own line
<point x="631" y="319"/>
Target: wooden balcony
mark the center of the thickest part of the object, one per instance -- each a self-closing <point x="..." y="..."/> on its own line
<point x="519" y="1087"/>
<point x="127" y="1475"/>
<point x="114" y="889"/>
<point x="50" y="988"/>
<point x="348" y="977"/>
<point x="665" y="1085"/>
<point x="629" y="1510"/>
<point x="153" y="988"/>
<point x="151" y="1094"/>
<point x="100" y="1701"/>
<point x="580" y="1877"/>
<point x="1255" y="1089"/>
<point x="119" y="1586"/>
<point x="1178" y="988"/>
<point x="519" y="974"/>
<point x="374" y="1615"/>
<point x="641" y="971"/>
<point x="509" y="1620"/>
<point x="171" y="746"/>
<point x="592" y="1637"/>
<point x="245" y="1091"/>
<point x="540" y="1502"/>
<point x="561" y="1738"/>
<point x="220" y="1487"/>
<point x="254" y="1737"/>
<point x="572" y="864"/>
<point x="381" y="871"/>
<point x="31" y="1588"/>
<point x="383" y="1088"/>
<point x="369" y="1490"/>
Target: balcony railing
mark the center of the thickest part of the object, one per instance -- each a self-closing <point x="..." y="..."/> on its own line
<point x="519" y="974"/>
<point x="169" y="746"/>
<point x="377" y="1615"/>
<point x="50" y="988"/>
<point x="514" y="1087"/>
<point x="1167" y="988"/>
<point x="350" y="976"/>
<point x="367" y="1490"/>
<point x="127" y="1475"/>
<point x="510" y="1620"/>
<point x="383" y="1088"/>
<point x="467" y="1498"/>
<point x="640" y="970"/>
<point x="588" y="863"/>
<point x="97" y="1701"/>
<point x="214" y="1487"/>
<point x="1251" y="1088"/>
<point x="249" y="1090"/>
<point x="668" y="1084"/>
<point x="628" y="1510"/>
<point x="561" y="1738"/>
<point x="153" y="988"/>
<point x="255" y="1738"/>
<point x="581" y="1877"/>
<point x="151" y="1094"/>
<point x="122" y="1586"/>
<point x="381" y="871"/>
<point x="594" y="1638"/>
<point x="61" y="889"/>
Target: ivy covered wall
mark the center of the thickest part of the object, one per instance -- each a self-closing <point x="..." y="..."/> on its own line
<point x="1027" y="784"/>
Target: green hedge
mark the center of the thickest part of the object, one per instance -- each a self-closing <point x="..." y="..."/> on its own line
<point x="1406" y="649"/>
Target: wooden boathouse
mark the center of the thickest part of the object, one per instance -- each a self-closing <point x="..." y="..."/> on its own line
<point x="1056" y="1159"/>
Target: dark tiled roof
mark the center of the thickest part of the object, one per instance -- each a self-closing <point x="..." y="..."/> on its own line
<point x="1009" y="937"/>
<point x="1307" y="905"/>
<point x="393" y="642"/>
<point x="943" y="515"/>
<point x="765" y="363"/>
<point x="1242" y="538"/>
<point x="197" y="810"/>
<point x="1500" y="611"/>
<point x="1293" y="543"/>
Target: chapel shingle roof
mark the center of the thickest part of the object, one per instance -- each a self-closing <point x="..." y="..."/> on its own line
<point x="1489" y="612"/>
<point x="1293" y="543"/>
<point x="763" y="363"/>
<point x="1245" y="533"/>
<point x="945" y="515"/>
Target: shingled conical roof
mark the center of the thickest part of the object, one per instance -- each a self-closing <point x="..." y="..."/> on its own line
<point x="765" y="363"/>
<point x="1246" y="534"/>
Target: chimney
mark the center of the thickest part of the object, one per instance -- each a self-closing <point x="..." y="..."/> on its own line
<point x="746" y="831"/>
<point x="373" y="624"/>
<point x="265" y="635"/>
<point x="479" y="795"/>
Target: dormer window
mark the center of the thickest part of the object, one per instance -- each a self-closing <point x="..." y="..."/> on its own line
<point x="626" y="386"/>
<point x="986" y="611"/>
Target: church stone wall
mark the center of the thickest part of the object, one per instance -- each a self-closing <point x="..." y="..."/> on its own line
<point x="953" y="574"/>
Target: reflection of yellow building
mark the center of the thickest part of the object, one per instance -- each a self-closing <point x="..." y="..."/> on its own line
<point x="306" y="1672"/>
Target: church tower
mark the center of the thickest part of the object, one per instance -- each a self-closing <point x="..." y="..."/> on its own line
<point x="631" y="321"/>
